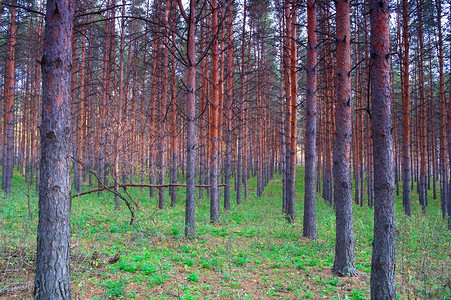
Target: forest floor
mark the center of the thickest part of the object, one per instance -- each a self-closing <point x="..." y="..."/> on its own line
<point x="252" y="254"/>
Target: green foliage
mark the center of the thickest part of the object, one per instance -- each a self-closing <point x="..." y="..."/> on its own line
<point x="253" y="253"/>
<point x="114" y="289"/>
<point x="193" y="277"/>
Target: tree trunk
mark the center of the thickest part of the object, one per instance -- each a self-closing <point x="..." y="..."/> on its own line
<point x="78" y="168"/>
<point x="161" y="162"/>
<point x="294" y="115"/>
<point x="53" y="242"/>
<point x="310" y="123"/>
<point x="228" y="106"/>
<point x="344" y="264"/>
<point x="174" y="156"/>
<point x="443" y="107"/>
<point x="405" y="113"/>
<point x="422" y="189"/>
<point x="383" y="258"/>
<point x="8" y="138"/>
<point x="240" y="112"/>
<point x="191" y="121"/>
<point x="214" y="130"/>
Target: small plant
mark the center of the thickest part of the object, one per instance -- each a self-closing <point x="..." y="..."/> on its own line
<point x="300" y="266"/>
<point x="272" y="292"/>
<point x="193" y="277"/>
<point x="127" y="267"/>
<point x="241" y="261"/>
<point x="114" y="288"/>
<point x="175" y="231"/>
<point x="158" y="279"/>
<point x="357" y="295"/>
<point x="148" y="269"/>
<point x="188" y="262"/>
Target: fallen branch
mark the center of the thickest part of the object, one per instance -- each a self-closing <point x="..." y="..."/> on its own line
<point x="130" y="196"/>
<point x="124" y="186"/>
<point x="110" y="189"/>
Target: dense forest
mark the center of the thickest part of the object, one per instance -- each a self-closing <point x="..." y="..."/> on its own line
<point x="198" y="111"/>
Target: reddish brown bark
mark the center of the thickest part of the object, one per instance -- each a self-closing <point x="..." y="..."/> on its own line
<point x="228" y="105"/>
<point x="8" y="135"/>
<point x="105" y="84"/>
<point x="294" y="115"/>
<point x="422" y="188"/>
<point x="153" y="109"/>
<point x="383" y="258"/>
<point x="52" y="279"/>
<point x="173" y="121"/>
<point x="309" y="229"/>
<point x="214" y="129"/>
<point x="161" y="162"/>
<point x="239" y="168"/>
<point x="444" y="187"/>
<point x="344" y="264"/>
<point x="81" y="111"/>
<point x="405" y="113"/>
<point x="191" y="119"/>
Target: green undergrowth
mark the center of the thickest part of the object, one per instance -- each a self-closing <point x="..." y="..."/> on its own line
<point x="252" y="254"/>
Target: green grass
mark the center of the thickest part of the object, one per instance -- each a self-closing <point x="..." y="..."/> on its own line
<point x="252" y="254"/>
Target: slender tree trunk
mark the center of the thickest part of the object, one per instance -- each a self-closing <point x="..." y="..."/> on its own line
<point x="330" y="113"/>
<point x="383" y="258"/>
<point x="405" y="113"/>
<point x="310" y="123"/>
<point x="105" y="84"/>
<point x="422" y="189"/>
<point x="240" y="111"/>
<point x="288" y="106"/>
<point x="448" y="132"/>
<point x="214" y="130"/>
<point x="191" y="120"/>
<point x="228" y="105"/>
<point x="443" y="107"/>
<point x="174" y="156"/>
<point x="203" y="144"/>
<point x="78" y="168"/>
<point x="431" y="129"/>
<point x="8" y="138"/>
<point x="161" y="162"/>
<point x="344" y="264"/>
<point x="52" y="279"/>
<point x="294" y="115"/>
<point x="153" y="108"/>
<point x="119" y="136"/>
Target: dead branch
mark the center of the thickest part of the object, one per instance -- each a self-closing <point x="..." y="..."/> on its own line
<point x="110" y="189"/>
<point x="140" y="185"/>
